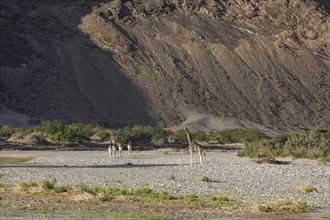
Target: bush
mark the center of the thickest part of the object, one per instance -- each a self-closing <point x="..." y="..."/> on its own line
<point x="189" y="198"/>
<point x="102" y="133"/>
<point x="199" y="135"/>
<point x="142" y="133"/>
<point x="179" y="136"/>
<point x="8" y="130"/>
<point x="205" y="179"/>
<point x="222" y="199"/>
<point x="84" y="188"/>
<point x="312" y="145"/>
<point x="62" y="189"/>
<point x="57" y="131"/>
<point x="280" y="139"/>
<point x="25" y="186"/>
<point x="241" y="135"/>
<point x="76" y="132"/>
<point x="253" y="135"/>
<point x="261" y="148"/>
<point x="48" y="185"/>
<point x="51" y="127"/>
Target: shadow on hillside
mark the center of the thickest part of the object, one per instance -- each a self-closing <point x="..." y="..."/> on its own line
<point x="325" y="4"/>
<point x="72" y="79"/>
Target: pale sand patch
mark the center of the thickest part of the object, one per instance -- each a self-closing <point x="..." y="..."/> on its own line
<point x="203" y="122"/>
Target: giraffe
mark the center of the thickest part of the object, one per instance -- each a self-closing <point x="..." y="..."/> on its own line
<point x="129" y="147"/>
<point x="112" y="148"/>
<point x="114" y="145"/>
<point x="120" y="148"/>
<point x="193" y="146"/>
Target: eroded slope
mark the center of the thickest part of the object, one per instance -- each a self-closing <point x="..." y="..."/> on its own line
<point x="139" y="62"/>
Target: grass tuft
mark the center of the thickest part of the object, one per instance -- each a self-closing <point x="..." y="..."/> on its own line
<point x="172" y="177"/>
<point x="48" y="185"/>
<point x="205" y="179"/>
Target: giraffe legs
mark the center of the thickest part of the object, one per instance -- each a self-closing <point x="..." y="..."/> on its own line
<point x="200" y="153"/>
<point x="110" y="151"/>
<point x="191" y="156"/>
<point x="120" y="152"/>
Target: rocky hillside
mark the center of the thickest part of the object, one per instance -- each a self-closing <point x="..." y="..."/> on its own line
<point x="150" y="62"/>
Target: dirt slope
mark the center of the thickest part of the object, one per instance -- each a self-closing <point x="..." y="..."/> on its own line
<point x="148" y="62"/>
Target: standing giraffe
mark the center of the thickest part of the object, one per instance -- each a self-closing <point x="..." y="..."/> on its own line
<point x="112" y="148"/>
<point x="114" y="144"/>
<point x="120" y="148"/>
<point x="129" y="147"/>
<point x="193" y="146"/>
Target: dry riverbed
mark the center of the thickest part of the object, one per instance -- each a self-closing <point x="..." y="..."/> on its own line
<point x="249" y="187"/>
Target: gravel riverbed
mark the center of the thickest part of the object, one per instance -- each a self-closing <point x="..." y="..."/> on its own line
<point x="238" y="178"/>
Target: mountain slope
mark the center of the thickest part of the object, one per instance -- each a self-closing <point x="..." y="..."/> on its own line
<point x="149" y="62"/>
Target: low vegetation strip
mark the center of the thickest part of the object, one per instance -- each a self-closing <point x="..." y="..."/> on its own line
<point x="14" y="160"/>
<point x="314" y="144"/>
<point x="39" y="198"/>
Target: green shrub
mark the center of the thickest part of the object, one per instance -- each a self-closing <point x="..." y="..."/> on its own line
<point x="76" y="132"/>
<point x="241" y="135"/>
<point x="219" y="199"/>
<point x="189" y="198"/>
<point x="29" y="131"/>
<point x="312" y="145"/>
<point x="57" y="131"/>
<point x="165" y="196"/>
<point x="309" y="189"/>
<point x="62" y="189"/>
<point x="149" y="193"/>
<point x="145" y="192"/>
<point x="280" y="139"/>
<point x="84" y="188"/>
<point x="264" y="208"/>
<point x="51" y="127"/>
<point x="8" y="130"/>
<point x="213" y="137"/>
<point x="199" y="135"/>
<point x="102" y="133"/>
<point x="179" y="136"/>
<point x="48" y="185"/>
<point x="261" y="148"/>
<point x="103" y="197"/>
<point x="205" y="179"/>
<point x="253" y="135"/>
<point x="142" y="133"/>
<point x="25" y="186"/>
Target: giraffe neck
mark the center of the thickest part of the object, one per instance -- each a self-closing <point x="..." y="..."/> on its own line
<point x="189" y="136"/>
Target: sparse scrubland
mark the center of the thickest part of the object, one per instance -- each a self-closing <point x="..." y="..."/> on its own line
<point x="162" y="180"/>
<point x="313" y="145"/>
